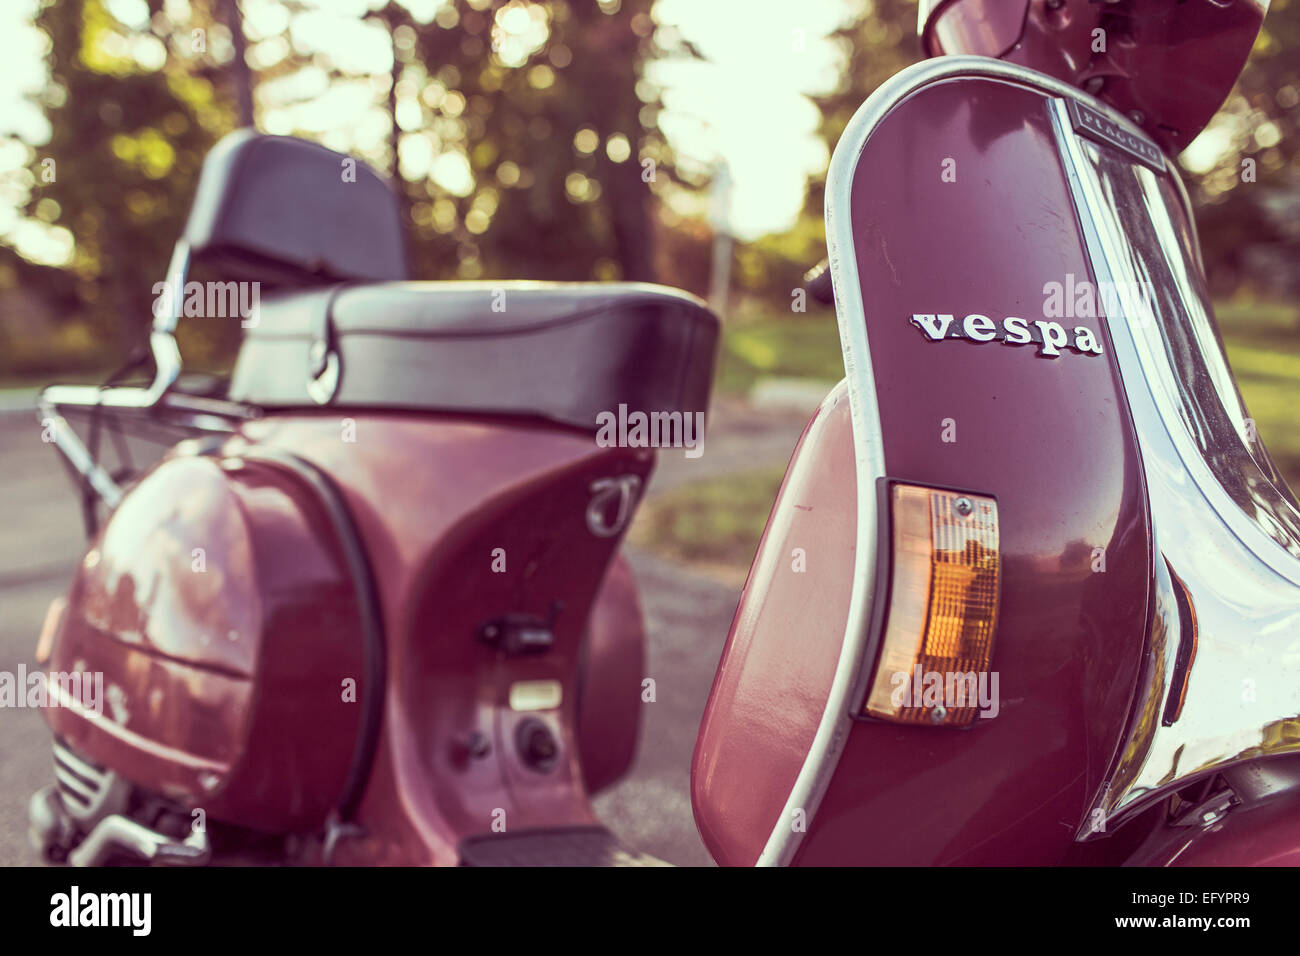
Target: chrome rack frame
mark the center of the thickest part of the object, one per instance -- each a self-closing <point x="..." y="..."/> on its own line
<point x="201" y="414"/>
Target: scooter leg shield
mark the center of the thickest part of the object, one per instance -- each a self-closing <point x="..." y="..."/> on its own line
<point x="489" y="545"/>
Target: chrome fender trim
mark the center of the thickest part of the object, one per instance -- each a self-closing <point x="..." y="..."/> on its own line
<point x="1240" y="588"/>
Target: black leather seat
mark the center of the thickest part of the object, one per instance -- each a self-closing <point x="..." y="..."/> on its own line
<point x="558" y="351"/>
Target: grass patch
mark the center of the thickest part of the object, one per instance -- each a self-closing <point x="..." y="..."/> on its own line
<point x="1263" y="345"/>
<point x="1267" y="323"/>
<point x="717" y="521"/>
<point x="758" y="345"/>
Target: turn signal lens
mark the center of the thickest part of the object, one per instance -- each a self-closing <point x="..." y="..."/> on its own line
<point x="933" y="666"/>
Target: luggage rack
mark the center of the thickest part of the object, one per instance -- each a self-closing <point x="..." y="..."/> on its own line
<point x="159" y="404"/>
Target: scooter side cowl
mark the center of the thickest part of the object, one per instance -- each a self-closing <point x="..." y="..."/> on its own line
<point x="216" y="605"/>
<point x="956" y="201"/>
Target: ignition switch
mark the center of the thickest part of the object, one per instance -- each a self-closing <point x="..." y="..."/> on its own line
<point x="537" y="745"/>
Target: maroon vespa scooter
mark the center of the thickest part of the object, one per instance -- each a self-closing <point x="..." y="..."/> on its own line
<point x="376" y="596"/>
<point x="1028" y="594"/>
<point x="1057" y="583"/>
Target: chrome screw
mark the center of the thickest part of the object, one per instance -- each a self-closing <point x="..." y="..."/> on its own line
<point x="963" y="506"/>
<point x="938" y="714"/>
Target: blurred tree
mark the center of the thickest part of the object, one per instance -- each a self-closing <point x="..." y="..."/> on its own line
<point x="525" y="133"/>
<point x="131" y="119"/>
<point x="877" y="40"/>
<point x="241" y="77"/>
<point x="541" y="111"/>
<point x="1244" y="173"/>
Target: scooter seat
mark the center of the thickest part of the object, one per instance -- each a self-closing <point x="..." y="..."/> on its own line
<point x="564" y="352"/>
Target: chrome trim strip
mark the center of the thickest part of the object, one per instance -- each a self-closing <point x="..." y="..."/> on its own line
<point x="86" y="792"/>
<point x="77" y="764"/>
<point x="1138" y="365"/>
<point x="178" y="267"/>
<point x="74" y="786"/>
<point x="186" y="761"/>
<point x="1242" y="700"/>
<point x="117" y="832"/>
<point x="849" y="680"/>
<point x="167" y="369"/>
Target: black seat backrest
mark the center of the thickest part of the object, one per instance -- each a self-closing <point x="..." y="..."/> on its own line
<point x="288" y="212"/>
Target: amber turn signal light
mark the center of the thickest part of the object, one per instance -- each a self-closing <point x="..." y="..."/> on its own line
<point x="933" y="666"/>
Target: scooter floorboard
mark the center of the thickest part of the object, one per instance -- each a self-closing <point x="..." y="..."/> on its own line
<point x="561" y="846"/>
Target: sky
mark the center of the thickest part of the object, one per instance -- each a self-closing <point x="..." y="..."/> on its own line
<point x="747" y="106"/>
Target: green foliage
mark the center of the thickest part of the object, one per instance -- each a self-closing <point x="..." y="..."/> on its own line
<point x="716" y="521"/>
<point x="773" y="266"/>
<point x="1248" y="202"/>
<point x="755" y="345"/>
<point x="128" y="136"/>
<point x="556" y="135"/>
<point x="1260" y="341"/>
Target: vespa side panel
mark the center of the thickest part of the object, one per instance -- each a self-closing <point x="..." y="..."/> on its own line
<point x="217" y="611"/>
<point x="947" y="196"/>
<point x="775" y="675"/>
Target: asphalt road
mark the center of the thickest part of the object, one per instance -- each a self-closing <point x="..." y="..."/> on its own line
<point x="687" y="618"/>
